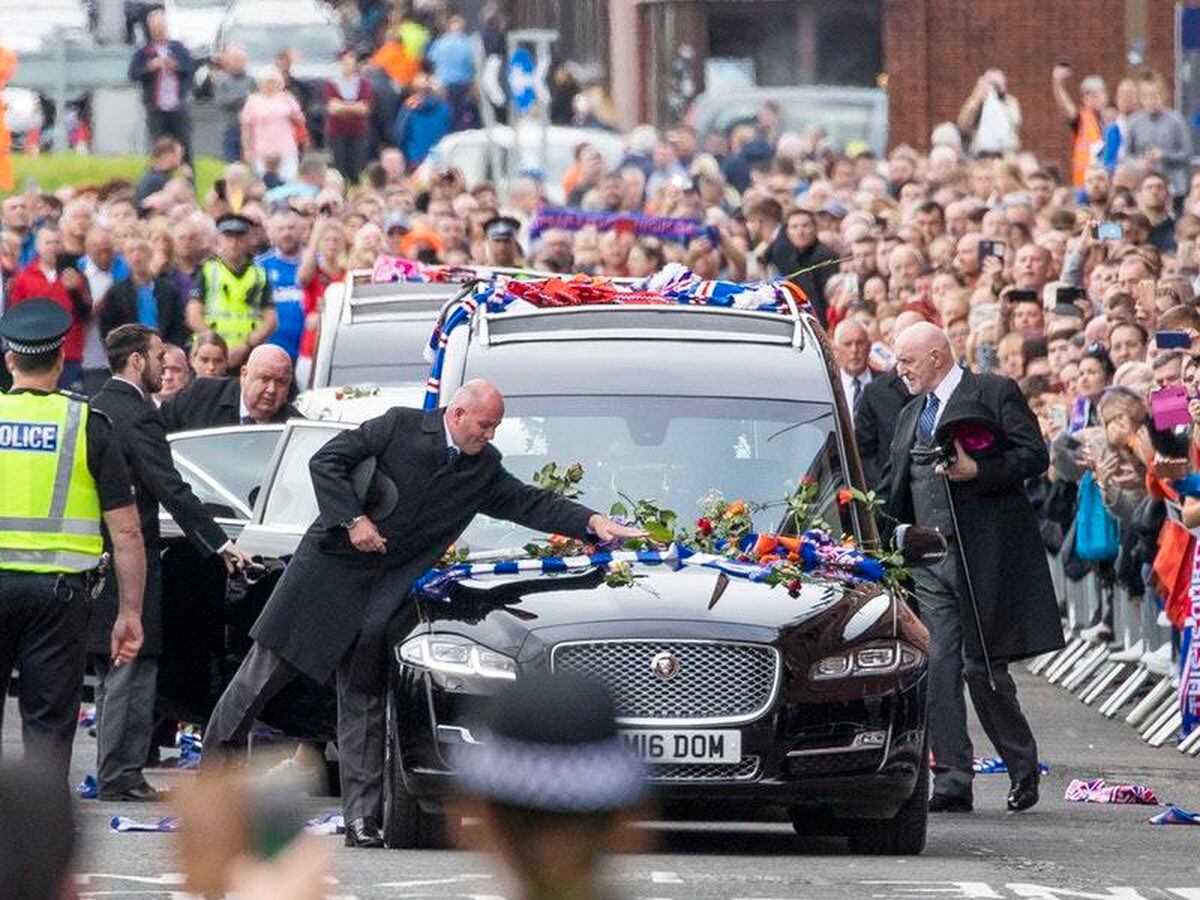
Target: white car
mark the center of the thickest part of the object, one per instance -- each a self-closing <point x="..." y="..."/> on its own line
<point x="196" y="23"/>
<point x="468" y="152"/>
<point x="264" y="27"/>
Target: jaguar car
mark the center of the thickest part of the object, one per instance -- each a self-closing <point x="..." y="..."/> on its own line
<point x="738" y="696"/>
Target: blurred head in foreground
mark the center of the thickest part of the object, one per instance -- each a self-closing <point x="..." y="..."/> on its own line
<point x="552" y="785"/>
<point x="37" y="840"/>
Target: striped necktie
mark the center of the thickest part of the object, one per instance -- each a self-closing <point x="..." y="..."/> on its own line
<point x="928" y="417"/>
<point x="858" y="389"/>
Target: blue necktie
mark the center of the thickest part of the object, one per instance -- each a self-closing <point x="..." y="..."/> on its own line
<point x="928" y="417"/>
<point x="451" y="455"/>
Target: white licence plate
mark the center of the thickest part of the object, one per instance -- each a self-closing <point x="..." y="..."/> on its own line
<point x="661" y="745"/>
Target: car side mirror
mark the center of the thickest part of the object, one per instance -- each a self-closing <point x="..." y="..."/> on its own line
<point x="920" y="546"/>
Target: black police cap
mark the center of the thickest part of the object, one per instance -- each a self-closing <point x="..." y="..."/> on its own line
<point x="37" y="325"/>
<point x="232" y="223"/>
<point x="500" y="228"/>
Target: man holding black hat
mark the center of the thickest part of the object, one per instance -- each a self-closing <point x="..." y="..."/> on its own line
<point x="354" y="567"/>
<point x="991" y="601"/>
<point x="231" y="294"/>
<point x="64" y="476"/>
<point x="503" y="249"/>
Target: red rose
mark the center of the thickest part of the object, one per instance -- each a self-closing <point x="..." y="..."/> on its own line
<point x="704" y="526"/>
<point x="808" y="481"/>
<point x="793" y="587"/>
<point x="845" y="496"/>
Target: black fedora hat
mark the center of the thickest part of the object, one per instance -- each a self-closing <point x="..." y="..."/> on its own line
<point x="972" y="425"/>
<point x="375" y="491"/>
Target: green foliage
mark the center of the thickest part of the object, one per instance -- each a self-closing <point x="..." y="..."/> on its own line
<point x="54" y="170"/>
<point x="564" y="482"/>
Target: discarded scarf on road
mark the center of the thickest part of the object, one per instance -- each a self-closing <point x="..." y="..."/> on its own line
<point x="87" y="789"/>
<point x="1097" y="790"/>
<point x="814" y="552"/>
<point x="675" y="284"/>
<point x="665" y="228"/>
<point x="329" y="823"/>
<point x="1173" y="815"/>
<point x="990" y="765"/>
<point x="124" y="825"/>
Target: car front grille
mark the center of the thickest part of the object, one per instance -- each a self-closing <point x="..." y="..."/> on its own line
<point x="712" y="682"/>
<point x="745" y="770"/>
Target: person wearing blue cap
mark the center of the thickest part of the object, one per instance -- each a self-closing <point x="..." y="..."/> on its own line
<point x="74" y="477"/>
<point x="503" y="249"/>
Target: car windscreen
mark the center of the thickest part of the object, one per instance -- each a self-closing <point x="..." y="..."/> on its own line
<point x="672" y="450"/>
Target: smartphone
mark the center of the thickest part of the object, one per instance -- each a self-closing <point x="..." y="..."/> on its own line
<point x="991" y="248"/>
<point x="988" y="357"/>
<point x="1058" y="415"/>
<point x="1172" y="340"/>
<point x="1110" y="231"/>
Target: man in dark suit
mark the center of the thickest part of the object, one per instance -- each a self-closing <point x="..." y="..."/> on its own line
<point x="330" y="610"/>
<point x="1012" y="613"/>
<point x="125" y="695"/>
<point x="258" y="396"/>
<point x="143" y="297"/>
<point x="875" y="423"/>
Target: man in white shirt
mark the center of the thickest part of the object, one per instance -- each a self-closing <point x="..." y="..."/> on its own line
<point x="101" y="268"/>
<point x="851" y="351"/>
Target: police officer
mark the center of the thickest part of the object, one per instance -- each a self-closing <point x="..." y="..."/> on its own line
<point x="63" y="475"/>
<point x="503" y="249"/>
<point x="232" y="294"/>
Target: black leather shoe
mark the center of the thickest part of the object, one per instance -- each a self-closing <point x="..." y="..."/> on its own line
<point x="363" y="833"/>
<point x="948" y="803"/>
<point x="1024" y="793"/>
<point x="142" y="793"/>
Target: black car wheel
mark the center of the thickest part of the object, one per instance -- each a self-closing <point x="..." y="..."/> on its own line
<point x="405" y="825"/>
<point x="901" y="835"/>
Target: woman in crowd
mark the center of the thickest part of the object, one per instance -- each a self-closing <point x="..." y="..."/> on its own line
<point x="270" y="122"/>
<point x="210" y="355"/>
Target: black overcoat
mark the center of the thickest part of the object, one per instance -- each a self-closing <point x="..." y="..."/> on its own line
<point x="211" y="402"/>
<point x="332" y="596"/>
<point x="998" y="530"/>
<point x="875" y="423"/>
<point x="143" y="439"/>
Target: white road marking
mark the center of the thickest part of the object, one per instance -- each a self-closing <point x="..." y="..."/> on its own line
<point x="972" y="890"/>
<point x="431" y="882"/>
<point x="665" y="878"/>
<point x="1042" y="892"/>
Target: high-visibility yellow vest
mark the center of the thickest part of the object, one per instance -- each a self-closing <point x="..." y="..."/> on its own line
<point x="229" y="299"/>
<point x="49" y="505"/>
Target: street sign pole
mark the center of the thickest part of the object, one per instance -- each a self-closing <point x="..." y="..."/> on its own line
<point x="527" y="88"/>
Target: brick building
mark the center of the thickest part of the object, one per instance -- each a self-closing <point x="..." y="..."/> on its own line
<point x="934" y="50"/>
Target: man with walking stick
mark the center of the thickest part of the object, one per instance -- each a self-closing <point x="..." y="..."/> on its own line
<point x="991" y="601"/>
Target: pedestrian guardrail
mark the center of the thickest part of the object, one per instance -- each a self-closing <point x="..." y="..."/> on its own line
<point x="1132" y="672"/>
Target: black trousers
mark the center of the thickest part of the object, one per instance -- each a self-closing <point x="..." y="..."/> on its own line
<point x="43" y="632"/>
<point x="938" y="591"/>
<point x="177" y="123"/>
<point x="350" y="156"/>
<point x="360" y="725"/>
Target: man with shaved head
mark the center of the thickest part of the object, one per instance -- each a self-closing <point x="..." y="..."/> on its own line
<point x="380" y="527"/>
<point x="991" y="601"/>
<point x="258" y="396"/>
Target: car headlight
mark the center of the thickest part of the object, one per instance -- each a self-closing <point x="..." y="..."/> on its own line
<point x="457" y="655"/>
<point x="880" y="658"/>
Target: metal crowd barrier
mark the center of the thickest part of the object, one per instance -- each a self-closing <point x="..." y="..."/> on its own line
<point x="1132" y="673"/>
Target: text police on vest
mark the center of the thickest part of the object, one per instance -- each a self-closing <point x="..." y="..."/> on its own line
<point x="28" y="436"/>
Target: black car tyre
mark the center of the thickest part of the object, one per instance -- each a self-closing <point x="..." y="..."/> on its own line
<point x="901" y="835"/>
<point x="405" y="825"/>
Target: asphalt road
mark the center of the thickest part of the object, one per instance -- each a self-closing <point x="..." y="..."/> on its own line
<point x="1057" y="850"/>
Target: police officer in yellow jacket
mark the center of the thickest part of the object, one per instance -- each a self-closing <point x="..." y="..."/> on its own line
<point x="231" y="294"/>
<point x="63" y="476"/>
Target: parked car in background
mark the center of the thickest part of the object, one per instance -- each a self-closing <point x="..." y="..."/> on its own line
<point x="265" y="27"/>
<point x="844" y="114"/>
<point x="468" y="152"/>
<point x="196" y="23"/>
<point x="376" y="334"/>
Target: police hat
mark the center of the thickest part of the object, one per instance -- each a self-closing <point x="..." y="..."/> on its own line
<point x="501" y="228"/>
<point x="570" y="761"/>
<point x="36" y="326"/>
<point x="232" y="223"/>
<point x="375" y="491"/>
